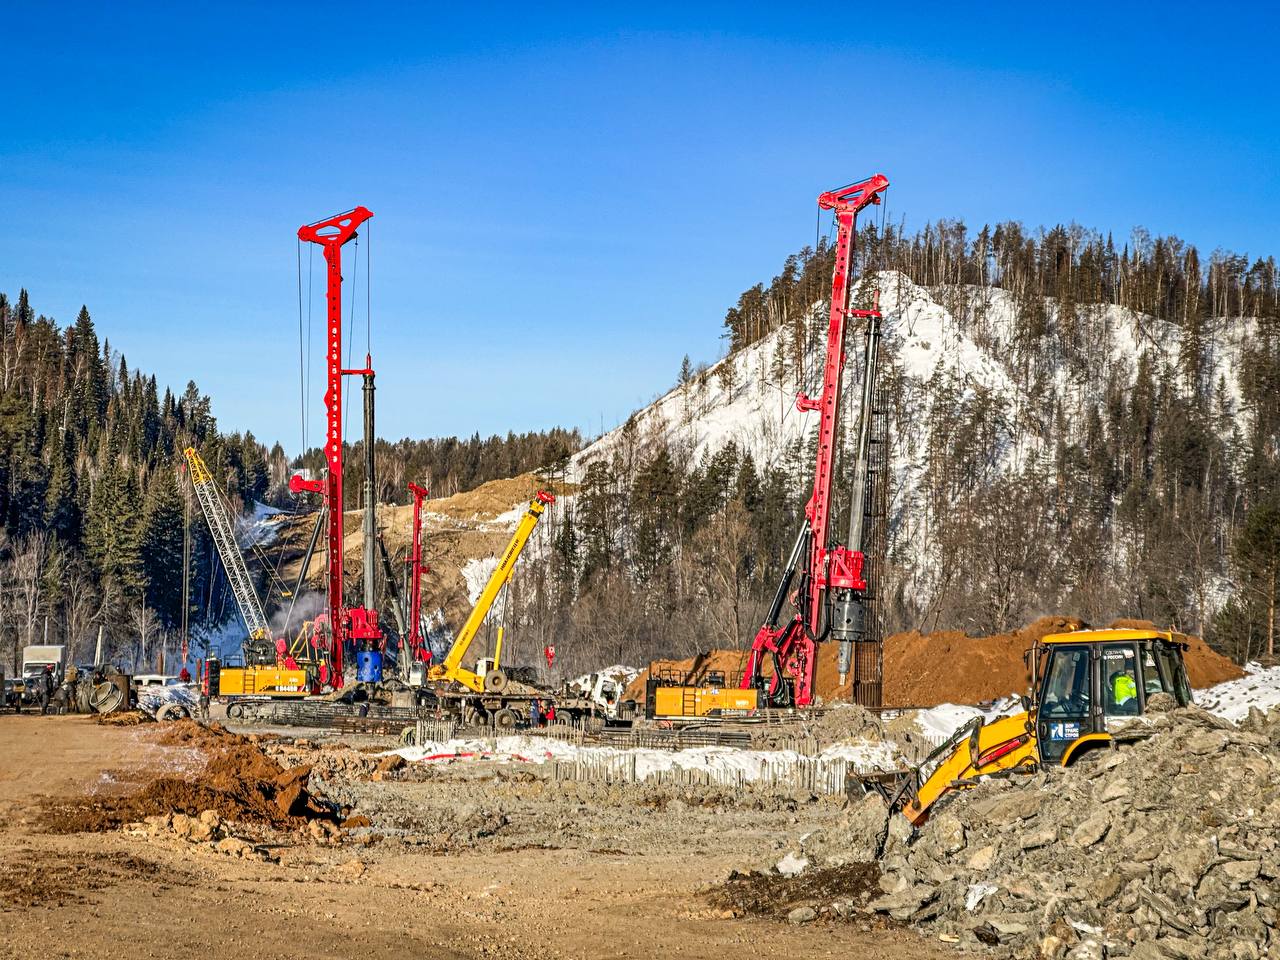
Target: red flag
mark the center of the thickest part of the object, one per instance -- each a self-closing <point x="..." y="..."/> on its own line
<point x="550" y="652"/>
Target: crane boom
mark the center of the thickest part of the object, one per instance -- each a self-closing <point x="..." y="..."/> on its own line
<point x="215" y="514"/>
<point x="451" y="668"/>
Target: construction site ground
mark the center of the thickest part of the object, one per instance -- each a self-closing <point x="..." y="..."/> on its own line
<point x="433" y="861"/>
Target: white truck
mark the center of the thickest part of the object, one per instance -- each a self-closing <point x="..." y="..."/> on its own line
<point x="35" y="659"/>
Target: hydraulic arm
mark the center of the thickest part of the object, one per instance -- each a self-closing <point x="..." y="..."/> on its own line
<point x="832" y="588"/>
<point x="451" y="669"/>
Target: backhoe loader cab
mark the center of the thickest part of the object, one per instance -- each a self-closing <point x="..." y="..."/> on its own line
<point x="1092" y="681"/>
<point x="1087" y="687"/>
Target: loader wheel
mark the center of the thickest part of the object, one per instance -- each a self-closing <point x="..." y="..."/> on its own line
<point x="495" y="681"/>
<point x="505" y="719"/>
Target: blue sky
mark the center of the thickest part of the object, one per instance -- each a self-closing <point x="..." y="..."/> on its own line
<point x="566" y="200"/>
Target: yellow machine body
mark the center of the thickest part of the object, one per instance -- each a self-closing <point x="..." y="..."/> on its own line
<point x="693" y="702"/>
<point x="1002" y="744"/>
<point x="253" y="681"/>
<point x="1073" y="710"/>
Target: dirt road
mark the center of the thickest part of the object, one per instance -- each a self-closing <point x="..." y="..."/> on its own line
<point x="112" y="894"/>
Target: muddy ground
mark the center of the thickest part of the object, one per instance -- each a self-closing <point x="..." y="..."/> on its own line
<point x="460" y="861"/>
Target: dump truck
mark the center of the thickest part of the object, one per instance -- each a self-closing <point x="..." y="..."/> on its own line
<point x="1090" y="689"/>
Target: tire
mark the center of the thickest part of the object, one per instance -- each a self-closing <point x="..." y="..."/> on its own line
<point x="505" y="719"/>
<point x="495" y="681"/>
<point x="105" y="697"/>
<point x="171" y="711"/>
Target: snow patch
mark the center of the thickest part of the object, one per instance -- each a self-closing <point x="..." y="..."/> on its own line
<point x="476" y="573"/>
<point x="1259" y="687"/>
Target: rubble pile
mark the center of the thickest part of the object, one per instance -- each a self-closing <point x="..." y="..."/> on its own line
<point x="1169" y="847"/>
<point x="208" y="830"/>
<point x="845" y="721"/>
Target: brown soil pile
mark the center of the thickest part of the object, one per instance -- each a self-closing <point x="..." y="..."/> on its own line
<point x="188" y="733"/>
<point x="239" y="782"/>
<point x="125" y="718"/>
<point x="947" y="666"/>
<point x="831" y="891"/>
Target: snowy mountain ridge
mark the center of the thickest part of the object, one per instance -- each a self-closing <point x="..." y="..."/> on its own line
<point x="951" y="345"/>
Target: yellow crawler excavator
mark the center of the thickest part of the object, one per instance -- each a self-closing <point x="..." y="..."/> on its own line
<point x="1088" y="687"/>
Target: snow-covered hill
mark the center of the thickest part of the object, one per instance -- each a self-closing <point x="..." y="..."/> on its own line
<point x="947" y="345"/>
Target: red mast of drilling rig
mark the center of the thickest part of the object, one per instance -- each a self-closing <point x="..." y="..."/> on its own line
<point x="358" y="623"/>
<point x="832" y="586"/>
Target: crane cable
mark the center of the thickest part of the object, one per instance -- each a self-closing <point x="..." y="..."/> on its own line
<point x="302" y="371"/>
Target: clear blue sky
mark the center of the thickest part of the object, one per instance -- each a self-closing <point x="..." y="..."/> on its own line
<point x="567" y="200"/>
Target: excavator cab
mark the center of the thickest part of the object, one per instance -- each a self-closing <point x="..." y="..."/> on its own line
<point x="1093" y="682"/>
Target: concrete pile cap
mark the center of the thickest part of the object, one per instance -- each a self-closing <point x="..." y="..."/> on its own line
<point x="1168" y="847"/>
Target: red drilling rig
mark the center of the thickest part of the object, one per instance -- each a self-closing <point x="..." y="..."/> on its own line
<point x="832" y="594"/>
<point x="358" y="625"/>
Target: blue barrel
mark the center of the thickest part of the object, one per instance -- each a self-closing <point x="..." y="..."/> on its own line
<point x="369" y="666"/>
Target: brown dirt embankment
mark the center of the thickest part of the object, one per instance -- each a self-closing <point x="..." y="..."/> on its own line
<point x="239" y="782"/>
<point x="946" y="666"/>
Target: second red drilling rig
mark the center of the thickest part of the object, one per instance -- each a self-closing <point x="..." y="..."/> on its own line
<point x="834" y="590"/>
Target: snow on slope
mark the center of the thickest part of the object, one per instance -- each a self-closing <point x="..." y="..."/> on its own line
<point x="476" y="573"/>
<point x="1232" y="700"/>
<point x="958" y="336"/>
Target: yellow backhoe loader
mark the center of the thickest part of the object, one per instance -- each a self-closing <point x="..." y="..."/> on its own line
<point x="1088" y="687"/>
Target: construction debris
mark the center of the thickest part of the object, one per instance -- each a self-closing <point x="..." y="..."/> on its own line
<point x="1166" y="848"/>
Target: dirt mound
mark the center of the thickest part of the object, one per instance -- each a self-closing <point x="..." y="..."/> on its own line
<point x="494" y="498"/>
<point x="239" y="782"/>
<point x="125" y="718"/>
<point x="188" y="733"/>
<point x="830" y="890"/>
<point x="947" y="666"/>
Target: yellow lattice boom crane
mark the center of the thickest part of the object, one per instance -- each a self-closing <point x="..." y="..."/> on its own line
<point x="279" y="678"/>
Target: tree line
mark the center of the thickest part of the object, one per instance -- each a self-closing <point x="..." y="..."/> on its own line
<point x="93" y="510"/>
<point x="1111" y="482"/>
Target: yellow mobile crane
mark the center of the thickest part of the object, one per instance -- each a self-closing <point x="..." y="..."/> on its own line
<point x="490" y="677"/>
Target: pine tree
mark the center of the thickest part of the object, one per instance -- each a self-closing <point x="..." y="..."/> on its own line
<point x="161" y="546"/>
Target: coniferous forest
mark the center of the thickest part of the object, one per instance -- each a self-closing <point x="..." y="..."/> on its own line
<point x="1153" y="494"/>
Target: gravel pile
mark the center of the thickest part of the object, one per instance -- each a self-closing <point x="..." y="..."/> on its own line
<point x="1167" y="848"/>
